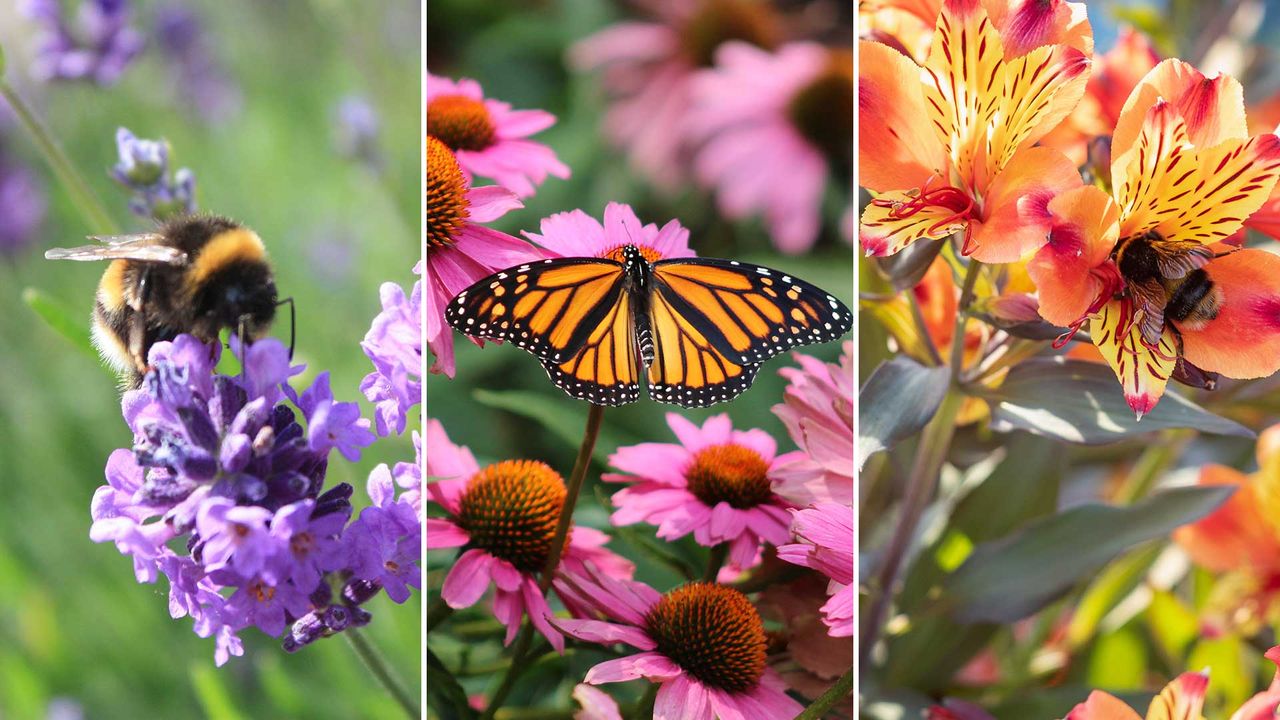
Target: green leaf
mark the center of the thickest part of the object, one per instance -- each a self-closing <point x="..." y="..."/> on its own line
<point x="1107" y="590"/>
<point x="907" y="268"/>
<point x="1013" y="577"/>
<point x="564" y="418"/>
<point x="1173" y="625"/>
<point x="1118" y="661"/>
<point x="1081" y="402"/>
<point x="69" y="325"/>
<point x="896" y="402"/>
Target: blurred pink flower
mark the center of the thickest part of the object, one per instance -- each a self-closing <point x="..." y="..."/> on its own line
<point x="704" y="644"/>
<point x="505" y="515"/>
<point x="770" y="127"/>
<point x="460" y="252"/>
<point x="717" y="483"/>
<point x="648" y="69"/>
<point x="825" y="535"/>
<point x="488" y="137"/>
<point x="577" y="234"/>
<point x="596" y="704"/>
<point x="817" y="409"/>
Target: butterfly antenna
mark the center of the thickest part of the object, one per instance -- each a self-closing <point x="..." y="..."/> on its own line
<point x="293" y="324"/>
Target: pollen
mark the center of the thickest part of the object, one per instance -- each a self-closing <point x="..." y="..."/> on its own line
<point x="716" y="22"/>
<point x="460" y="122"/>
<point x="447" y="207"/>
<point x="822" y="111"/>
<point x="713" y="633"/>
<point x="510" y="510"/>
<point x="647" y="253"/>
<point x="730" y="473"/>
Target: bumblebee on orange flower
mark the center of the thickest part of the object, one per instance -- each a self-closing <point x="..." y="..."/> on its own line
<point x="1148" y="266"/>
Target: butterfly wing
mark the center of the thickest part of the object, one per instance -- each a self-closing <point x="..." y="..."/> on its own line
<point x="570" y="313"/>
<point x="146" y="247"/>
<point x="687" y="369"/>
<point x="750" y="313"/>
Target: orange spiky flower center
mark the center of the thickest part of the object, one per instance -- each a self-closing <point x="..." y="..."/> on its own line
<point x="447" y="206"/>
<point x="716" y="22"/>
<point x="729" y="473"/>
<point x="510" y="509"/>
<point x="823" y="110"/>
<point x="460" y="122"/>
<point x="713" y="633"/>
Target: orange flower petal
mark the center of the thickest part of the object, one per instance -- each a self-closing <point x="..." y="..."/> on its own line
<point x="1102" y="706"/>
<point x="1213" y="108"/>
<point x="883" y="232"/>
<point x="1234" y="179"/>
<point x="1181" y="699"/>
<point x="1235" y="536"/>
<point x="1156" y="173"/>
<point x="1267" y="219"/>
<point x="1085" y="229"/>
<point x="1016" y="218"/>
<point x="1027" y="24"/>
<point x="897" y="147"/>
<point x="1243" y="341"/>
<point x="1143" y="372"/>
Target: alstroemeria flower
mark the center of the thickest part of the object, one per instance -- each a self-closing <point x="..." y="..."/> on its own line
<point x="1241" y="541"/>
<point x="1141" y="267"/>
<point x="1181" y="698"/>
<point x="949" y="147"/>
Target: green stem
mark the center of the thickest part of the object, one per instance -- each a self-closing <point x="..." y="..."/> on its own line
<point x="1155" y="460"/>
<point x="715" y="561"/>
<point x="518" y="665"/>
<point x="931" y="453"/>
<point x="382" y="672"/>
<point x="922" y="327"/>
<point x="91" y="209"/>
<point x="828" y="699"/>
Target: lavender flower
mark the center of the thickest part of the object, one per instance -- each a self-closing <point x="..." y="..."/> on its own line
<point x="97" y="44"/>
<point x="22" y="206"/>
<point x="223" y="494"/>
<point x="356" y="128"/>
<point x="143" y="168"/>
<point x="197" y="76"/>
<point x="394" y="344"/>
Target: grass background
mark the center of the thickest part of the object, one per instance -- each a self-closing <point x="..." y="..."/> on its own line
<point x="501" y="404"/>
<point x="75" y="623"/>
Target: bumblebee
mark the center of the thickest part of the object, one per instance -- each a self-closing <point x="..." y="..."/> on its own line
<point x="1167" y="280"/>
<point x="197" y="274"/>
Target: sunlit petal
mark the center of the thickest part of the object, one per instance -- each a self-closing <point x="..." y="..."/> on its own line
<point x="1143" y="372"/>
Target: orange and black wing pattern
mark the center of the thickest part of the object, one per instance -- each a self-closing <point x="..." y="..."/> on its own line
<point x="714" y="321"/>
<point x="570" y="313"/>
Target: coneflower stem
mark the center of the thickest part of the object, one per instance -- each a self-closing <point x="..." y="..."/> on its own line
<point x="589" y="435"/>
<point x="91" y="210"/>
<point x="380" y="670"/>
<point x="437" y="613"/>
<point x="828" y="699"/>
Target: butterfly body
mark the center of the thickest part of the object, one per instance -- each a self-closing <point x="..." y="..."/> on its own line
<point x="697" y="329"/>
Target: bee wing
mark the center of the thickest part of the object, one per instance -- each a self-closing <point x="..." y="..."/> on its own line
<point x="1150" y="301"/>
<point x="1177" y="259"/>
<point x="146" y="247"/>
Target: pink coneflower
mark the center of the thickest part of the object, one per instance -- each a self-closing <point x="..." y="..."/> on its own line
<point x="577" y="234"/>
<point x="825" y="543"/>
<point x="460" y="252"/>
<point x="704" y="644"/>
<point x="596" y="704"/>
<point x="505" y="516"/>
<point x="773" y="127"/>
<point x="648" y="68"/>
<point x="717" y="483"/>
<point x="488" y="137"/>
<point x="817" y="408"/>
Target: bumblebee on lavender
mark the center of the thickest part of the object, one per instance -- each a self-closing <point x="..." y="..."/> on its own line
<point x="196" y="274"/>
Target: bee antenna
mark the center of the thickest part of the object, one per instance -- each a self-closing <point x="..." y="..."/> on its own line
<point x="293" y="324"/>
<point x="244" y="348"/>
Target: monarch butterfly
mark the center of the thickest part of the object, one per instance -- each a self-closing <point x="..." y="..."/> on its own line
<point x="701" y="326"/>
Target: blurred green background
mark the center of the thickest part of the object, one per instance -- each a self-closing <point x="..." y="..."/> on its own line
<point x="501" y="404"/>
<point x="75" y="623"/>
